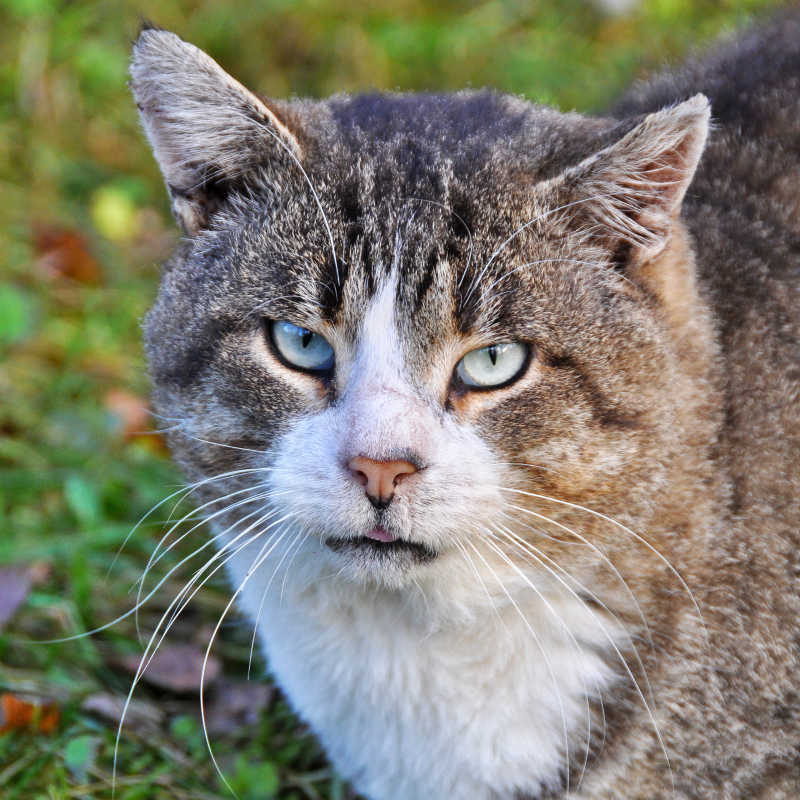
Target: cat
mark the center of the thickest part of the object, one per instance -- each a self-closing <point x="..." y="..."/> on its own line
<point x="494" y="413"/>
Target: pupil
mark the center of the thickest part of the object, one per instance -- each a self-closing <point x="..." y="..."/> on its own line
<point x="493" y="354"/>
<point x="306" y="338"/>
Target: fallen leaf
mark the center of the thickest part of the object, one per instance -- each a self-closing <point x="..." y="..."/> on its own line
<point x="131" y="410"/>
<point x="176" y="667"/>
<point x="17" y="713"/>
<point x="237" y="704"/>
<point x="135" y="419"/>
<point x="15" y="583"/>
<point x="140" y="716"/>
<point x="64" y="253"/>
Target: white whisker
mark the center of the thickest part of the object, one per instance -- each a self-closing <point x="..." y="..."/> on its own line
<point x="538" y="218"/>
<point x="536" y="553"/>
<point x="570" y="635"/>
<point x="259" y="560"/>
<point x="595" y="549"/>
<point x="627" y="530"/>
<point x="224" y="556"/>
<point x="639" y="692"/>
<point x="324" y="216"/>
<point x="542" y="650"/>
<point x="185" y="491"/>
<point x="466" y="228"/>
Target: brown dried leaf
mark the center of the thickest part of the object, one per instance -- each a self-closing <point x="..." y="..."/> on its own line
<point x="141" y="716"/>
<point x="18" y="713"/>
<point x="176" y="667"/>
<point x="130" y="409"/>
<point x="237" y="704"/>
<point x="15" y="584"/>
<point x="64" y="253"/>
<point x="133" y="413"/>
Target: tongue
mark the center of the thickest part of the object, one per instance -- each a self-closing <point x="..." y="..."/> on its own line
<point x="380" y="535"/>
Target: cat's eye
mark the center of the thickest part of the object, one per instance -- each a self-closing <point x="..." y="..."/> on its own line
<point x="493" y="366"/>
<point x="300" y="348"/>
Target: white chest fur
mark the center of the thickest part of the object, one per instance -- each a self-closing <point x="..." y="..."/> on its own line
<point x="481" y="708"/>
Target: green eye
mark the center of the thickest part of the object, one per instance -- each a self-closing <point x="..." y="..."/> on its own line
<point x="493" y="366"/>
<point x="300" y="348"/>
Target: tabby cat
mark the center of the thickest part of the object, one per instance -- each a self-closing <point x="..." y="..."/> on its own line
<point x="494" y="412"/>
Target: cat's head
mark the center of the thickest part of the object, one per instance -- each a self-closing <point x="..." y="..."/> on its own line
<point x="410" y="330"/>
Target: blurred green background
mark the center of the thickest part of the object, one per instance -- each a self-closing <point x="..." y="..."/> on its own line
<point x="84" y="227"/>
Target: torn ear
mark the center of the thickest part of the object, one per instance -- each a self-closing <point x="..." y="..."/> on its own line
<point x="632" y="190"/>
<point x="207" y="130"/>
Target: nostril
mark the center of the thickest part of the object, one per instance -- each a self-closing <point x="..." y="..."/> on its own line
<point x="401" y="476"/>
<point x="379" y="478"/>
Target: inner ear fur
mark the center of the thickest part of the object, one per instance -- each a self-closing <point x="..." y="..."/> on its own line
<point x="206" y="129"/>
<point x="629" y="194"/>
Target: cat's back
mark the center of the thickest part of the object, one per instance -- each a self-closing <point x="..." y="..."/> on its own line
<point x="743" y="210"/>
<point x="743" y="207"/>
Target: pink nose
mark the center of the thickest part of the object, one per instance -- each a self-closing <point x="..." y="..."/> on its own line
<point x="379" y="478"/>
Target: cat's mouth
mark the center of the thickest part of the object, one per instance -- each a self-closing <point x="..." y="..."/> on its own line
<point x="380" y="544"/>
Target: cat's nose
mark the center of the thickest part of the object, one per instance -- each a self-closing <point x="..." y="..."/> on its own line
<point x="379" y="478"/>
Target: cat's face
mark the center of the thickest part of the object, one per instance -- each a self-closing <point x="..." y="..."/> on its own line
<point x="398" y="326"/>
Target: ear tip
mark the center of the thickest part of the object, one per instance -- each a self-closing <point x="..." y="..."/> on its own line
<point x="151" y="37"/>
<point x="697" y="107"/>
<point x="154" y="51"/>
<point x="699" y="104"/>
<point x="148" y="25"/>
<point x="694" y="113"/>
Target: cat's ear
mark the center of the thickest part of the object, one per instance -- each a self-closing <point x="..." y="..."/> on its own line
<point x="205" y="128"/>
<point x="630" y="193"/>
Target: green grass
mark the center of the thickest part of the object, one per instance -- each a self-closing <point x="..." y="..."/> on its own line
<point x="85" y="224"/>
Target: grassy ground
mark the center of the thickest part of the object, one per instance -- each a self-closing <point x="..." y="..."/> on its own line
<point x="84" y="228"/>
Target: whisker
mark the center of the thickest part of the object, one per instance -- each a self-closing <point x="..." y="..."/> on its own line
<point x="324" y="216"/>
<point x="259" y="560"/>
<point x="523" y="544"/>
<point x="569" y="633"/>
<point x="647" y="708"/>
<point x="606" y="560"/>
<point x="627" y="530"/>
<point x="261" y="604"/>
<point x="262" y="495"/>
<point x="140" y="603"/>
<point x="466" y="228"/>
<point x="536" y="263"/>
<point x="223" y="444"/>
<point x="185" y="490"/>
<point x="471" y="563"/>
<point x="148" y="655"/>
<point x="305" y="535"/>
<point x="186" y="517"/>
<point x="221" y="553"/>
<point x="207" y="543"/>
<point x="518" y="231"/>
<point x="152" y="561"/>
<point x="542" y="650"/>
<point x="524" y="549"/>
